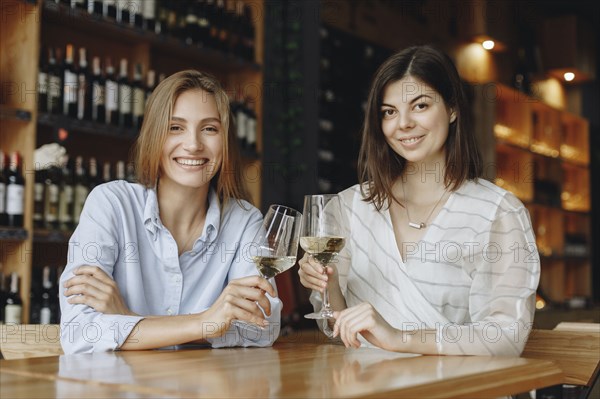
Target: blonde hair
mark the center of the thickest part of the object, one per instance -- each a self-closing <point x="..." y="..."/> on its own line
<point x="157" y="117"/>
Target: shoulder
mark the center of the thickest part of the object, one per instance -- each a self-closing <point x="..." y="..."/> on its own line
<point x="241" y="213"/>
<point x="488" y="198"/>
<point x="118" y="193"/>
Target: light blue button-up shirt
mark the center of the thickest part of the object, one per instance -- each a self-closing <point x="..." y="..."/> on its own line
<point x="121" y="232"/>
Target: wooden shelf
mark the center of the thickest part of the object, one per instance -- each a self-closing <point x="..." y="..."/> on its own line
<point x="62" y="15"/>
<point x="541" y="154"/>
<point x="51" y="236"/>
<point x="13" y="234"/>
<point x="14" y="114"/>
<point x="86" y="127"/>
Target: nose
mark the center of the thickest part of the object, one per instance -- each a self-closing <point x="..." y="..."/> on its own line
<point x="405" y="122"/>
<point x="192" y="141"/>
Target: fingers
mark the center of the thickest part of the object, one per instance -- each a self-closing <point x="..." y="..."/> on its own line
<point x="255" y="281"/>
<point x="254" y="295"/>
<point x="243" y="309"/>
<point x="312" y="274"/>
<point x="85" y="280"/>
<point x="350" y="322"/>
<point x="94" y="271"/>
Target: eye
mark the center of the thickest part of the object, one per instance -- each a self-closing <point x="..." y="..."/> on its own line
<point x="388" y="113"/>
<point x="210" y="130"/>
<point x="421" y="106"/>
<point x="175" y="128"/>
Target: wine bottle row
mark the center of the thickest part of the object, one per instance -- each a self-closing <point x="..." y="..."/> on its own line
<point x="223" y="25"/>
<point x="60" y="191"/>
<point x="92" y="94"/>
<point x="11" y="305"/>
<point x="341" y="104"/>
<point x="245" y="123"/>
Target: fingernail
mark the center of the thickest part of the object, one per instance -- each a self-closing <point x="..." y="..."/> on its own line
<point x="265" y="323"/>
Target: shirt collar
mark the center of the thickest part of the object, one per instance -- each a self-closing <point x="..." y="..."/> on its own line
<point x="211" y="224"/>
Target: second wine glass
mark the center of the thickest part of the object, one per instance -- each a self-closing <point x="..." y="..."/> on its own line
<point x="322" y="238"/>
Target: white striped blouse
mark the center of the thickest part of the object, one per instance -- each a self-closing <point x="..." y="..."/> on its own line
<point x="472" y="277"/>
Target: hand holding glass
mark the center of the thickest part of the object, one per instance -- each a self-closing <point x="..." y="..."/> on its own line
<point x="322" y="238"/>
<point x="275" y="245"/>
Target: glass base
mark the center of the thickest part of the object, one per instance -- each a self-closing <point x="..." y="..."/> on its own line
<point x="323" y="314"/>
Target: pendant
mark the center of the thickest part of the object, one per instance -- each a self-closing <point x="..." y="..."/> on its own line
<point x="418" y="226"/>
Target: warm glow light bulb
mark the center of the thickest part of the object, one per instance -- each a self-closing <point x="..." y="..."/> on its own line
<point x="488" y="44"/>
<point x="569" y="76"/>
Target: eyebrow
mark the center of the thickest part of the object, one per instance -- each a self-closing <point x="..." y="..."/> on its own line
<point x="205" y="120"/>
<point x="411" y="101"/>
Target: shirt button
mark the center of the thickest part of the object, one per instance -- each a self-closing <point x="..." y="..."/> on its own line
<point x="169" y="312"/>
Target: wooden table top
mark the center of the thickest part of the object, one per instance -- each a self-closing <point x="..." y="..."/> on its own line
<point x="288" y="369"/>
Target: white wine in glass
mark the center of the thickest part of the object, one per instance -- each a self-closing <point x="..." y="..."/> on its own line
<point x="322" y="238"/>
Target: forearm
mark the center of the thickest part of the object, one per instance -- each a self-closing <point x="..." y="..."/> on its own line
<point x="160" y="331"/>
<point x="336" y="298"/>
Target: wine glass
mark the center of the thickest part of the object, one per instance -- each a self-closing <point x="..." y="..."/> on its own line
<point x="275" y="245"/>
<point x="322" y="238"/>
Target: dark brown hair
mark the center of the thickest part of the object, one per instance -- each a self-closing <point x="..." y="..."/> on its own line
<point x="153" y="134"/>
<point x="378" y="164"/>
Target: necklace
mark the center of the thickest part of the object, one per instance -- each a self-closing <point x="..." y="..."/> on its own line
<point x="421" y="225"/>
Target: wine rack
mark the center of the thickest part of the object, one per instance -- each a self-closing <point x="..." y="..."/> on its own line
<point x="24" y="129"/>
<point x="541" y="154"/>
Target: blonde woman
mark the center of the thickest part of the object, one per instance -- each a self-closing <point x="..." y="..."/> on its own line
<point x="161" y="263"/>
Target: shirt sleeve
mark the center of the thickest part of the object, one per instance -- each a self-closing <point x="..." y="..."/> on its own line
<point x="94" y="242"/>
<point x="502" y="295"/>
<point x="245" y="334"/>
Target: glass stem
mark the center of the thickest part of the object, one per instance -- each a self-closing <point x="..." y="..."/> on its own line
<point x="326" y="305"/>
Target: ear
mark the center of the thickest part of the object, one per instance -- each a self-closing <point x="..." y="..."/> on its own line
<point x="452" y="116"/>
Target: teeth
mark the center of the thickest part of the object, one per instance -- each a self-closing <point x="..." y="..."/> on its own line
<point x="411" y="140"/>
<point x="191" y="162"/>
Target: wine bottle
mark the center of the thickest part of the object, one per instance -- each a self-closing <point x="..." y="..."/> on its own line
<point x="48" y="298"/>
<point x="150" y="84"/>
<point x="3" y="293"/>
<point x="69" y="84"/>
<point x="54" y="84"/>
<point x="84" y="92"/>
<point x="251" y="127"/>
<point x="66" y="197"/>
<point x="52" y="197"/>
<point x="81" y="189"/>
<point x="125" y="96"/>
<point x="112" y="95"/>
<point x="241" y="122"/>
<point x="191" y="23"/>
<point x="38" y="198"/>
<point x="96" y="7"/>
<point x="110" y="9"/>
<point x="149" y="14"/>
<point x="522" y="75"/>
<point x="106" y="173"/>
<point x="3" y="184"/>
<point x="139" y="95"/>
<point x="120" y="175"/>
<point x="211" y="12"/>
<point x="203" y="39"/>
<point x="15" y="192"/>
<point x="248" y="34"/>
<point x="131" y="176"/>
<point x="136" y="11"/>
<point x="222" y="25"/>
<point x="13" y="306"/>
<point x="42" y="84"/>
<point x="79" y="4"/>
<point x="98" y="93"/>
<point x="94" y="177"/>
